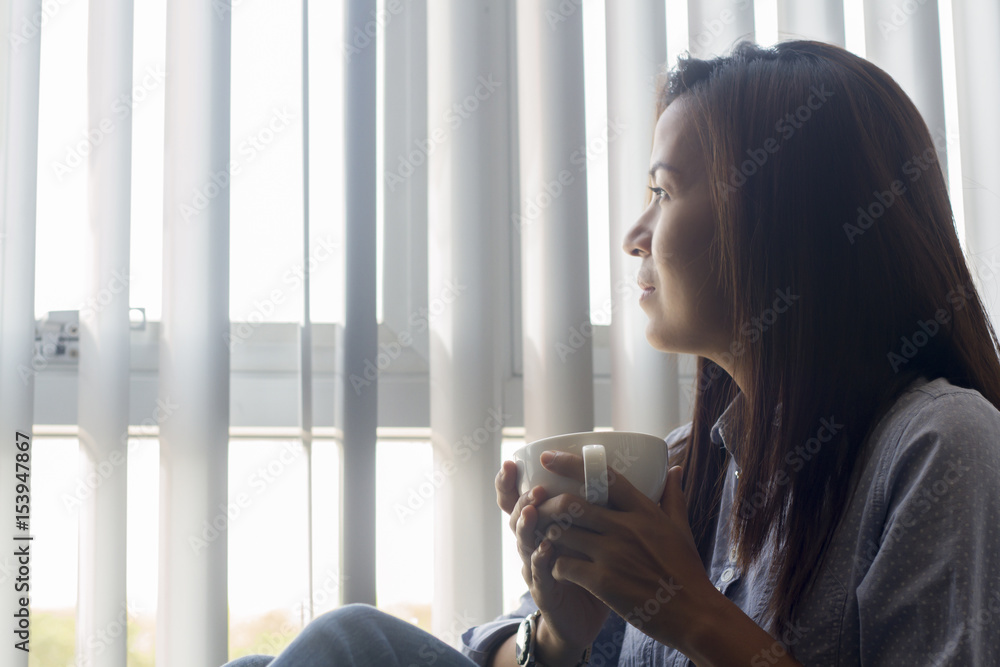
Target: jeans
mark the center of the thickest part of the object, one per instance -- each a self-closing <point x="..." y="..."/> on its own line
<point x="359" y="635"/>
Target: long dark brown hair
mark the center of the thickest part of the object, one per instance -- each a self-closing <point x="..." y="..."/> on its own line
<point x="803" y="140"/>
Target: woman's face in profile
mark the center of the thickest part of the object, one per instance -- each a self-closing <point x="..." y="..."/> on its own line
<point x="681" y="294"/>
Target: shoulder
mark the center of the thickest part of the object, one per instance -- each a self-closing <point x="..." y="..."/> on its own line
<point x="678" y="434"/>
<point x="676" y="441"/>
<point x="934" y="428"/>
<point x="926" y="551"/>
<point x="956" y="417"/>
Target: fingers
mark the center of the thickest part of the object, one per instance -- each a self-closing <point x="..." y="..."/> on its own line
<point x="674" y="503"/>
<point x="524" y="530"/>
<point x="541" y="573"/>
<point x="575" y="542"/>
<point x="574" y="571"/>
<point x="621" y="493"/>
<point x="567" y="510"/>
<point x="506" y="485"/>
<point x="532" y="497"/>
<point x="564" y="463"/>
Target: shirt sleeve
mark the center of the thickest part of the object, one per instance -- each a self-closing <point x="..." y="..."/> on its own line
<point x="931" y="595"/>
<point x="479" y="643"/>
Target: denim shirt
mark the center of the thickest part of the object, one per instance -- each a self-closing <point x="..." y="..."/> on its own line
<point x="912" y="576"/>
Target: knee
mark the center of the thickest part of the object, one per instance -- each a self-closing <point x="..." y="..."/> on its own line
<point x="251" y="661"/>
<point x="350" y="618"/>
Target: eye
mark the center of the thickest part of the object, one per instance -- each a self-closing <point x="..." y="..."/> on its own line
<point x="658" y="193"/>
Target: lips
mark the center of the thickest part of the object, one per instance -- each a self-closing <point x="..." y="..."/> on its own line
<point x="646" y="286"/>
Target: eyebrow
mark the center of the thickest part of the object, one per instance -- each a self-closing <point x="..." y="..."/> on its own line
<point x="663" y="165"/>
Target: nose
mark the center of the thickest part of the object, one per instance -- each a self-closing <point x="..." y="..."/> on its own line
<point x="638" y="239"/>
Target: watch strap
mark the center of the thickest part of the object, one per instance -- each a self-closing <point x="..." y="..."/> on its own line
<point x="529" y="659"/>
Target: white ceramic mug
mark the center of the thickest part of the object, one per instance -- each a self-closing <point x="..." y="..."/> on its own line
<point x="640" y="457"/>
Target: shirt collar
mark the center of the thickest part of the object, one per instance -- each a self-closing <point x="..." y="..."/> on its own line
<point x="727" y="420"/>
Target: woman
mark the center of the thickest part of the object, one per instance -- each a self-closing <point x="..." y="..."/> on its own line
<point x="834" y="500"/>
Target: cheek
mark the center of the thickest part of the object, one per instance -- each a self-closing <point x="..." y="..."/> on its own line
<point x="676" y="245"/>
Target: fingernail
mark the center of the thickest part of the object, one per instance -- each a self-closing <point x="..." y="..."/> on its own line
<point x="547" y="457"/>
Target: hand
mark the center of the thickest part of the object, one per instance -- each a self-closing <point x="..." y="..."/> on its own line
<point x="571" y="616"/>
<point x="637" y="556"/>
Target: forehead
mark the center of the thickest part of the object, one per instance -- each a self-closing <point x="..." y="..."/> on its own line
<point x="674" y="139"/>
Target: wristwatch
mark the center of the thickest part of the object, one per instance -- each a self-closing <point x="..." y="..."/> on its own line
<point x="525" y="645"/>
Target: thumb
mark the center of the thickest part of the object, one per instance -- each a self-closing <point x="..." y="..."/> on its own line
<point x="673" y="501"/>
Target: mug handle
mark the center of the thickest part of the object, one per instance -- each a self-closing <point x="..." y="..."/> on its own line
<point x="595" y="472"/>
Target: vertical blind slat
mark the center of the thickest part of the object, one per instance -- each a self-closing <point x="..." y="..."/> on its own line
<point x="714" y="26"/>
<point x="977" y="59"/>
<point x="908" y="47"/>
<point x="19" y="71"/>
<point x="192" y="619"/>
<point x="468" y="179"/>
<point x="360" y="325"/>
<point x="305" y="329"/>
<point x="558" y="363"/>
<point x="103" y="396"/>
<point x="644" y="383"/>
<point x="822" y="20"/>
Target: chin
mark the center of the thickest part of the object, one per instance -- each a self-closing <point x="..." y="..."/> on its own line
<point x="664" y="338"/>
<point x="657" y="340"/>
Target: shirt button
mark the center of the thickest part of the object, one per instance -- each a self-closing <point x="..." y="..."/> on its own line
<point x="727" y="574"/>
<point x="732" y="554"/>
